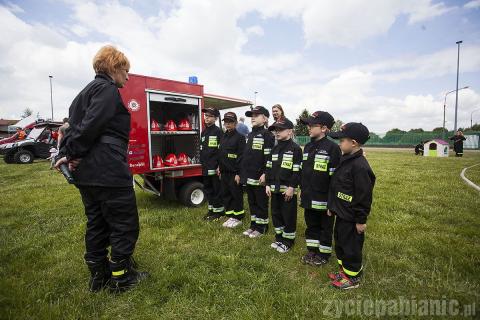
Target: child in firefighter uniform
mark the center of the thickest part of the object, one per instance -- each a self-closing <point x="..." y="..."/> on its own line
<point x="259" y="145"/>
<point x="350" y="199"/>
<point x="320" y="157"/>
<point x="209" y="154"/>
<point x="231" y="152"/>
<point x="282" y="179"/>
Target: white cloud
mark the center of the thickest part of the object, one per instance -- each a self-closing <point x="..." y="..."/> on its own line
<point x="203" y="38"/>
<point x="474" y="4"/>
<point x="255" y="30"/>
<point x="348" y="22"/>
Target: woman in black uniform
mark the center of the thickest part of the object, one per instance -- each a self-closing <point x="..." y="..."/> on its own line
<point x="95" y="149"/>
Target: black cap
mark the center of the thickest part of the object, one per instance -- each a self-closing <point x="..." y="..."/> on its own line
<point x="212" y="111"/>
<point x="258" y="110"/>
<point x="353" y="130"/>
<point x="320" y="117"/>
<point x="282" y="123"/>
<point x="230" y="116"/>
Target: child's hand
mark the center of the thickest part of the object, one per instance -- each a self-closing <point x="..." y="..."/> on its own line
<point x="262" y="179"/>
<point x="329" y="213"/>
<point x="267" y="191"/>
<point x="289" y="193"/>
<point x="237" y="179"/>
<point x="361" y="227"/>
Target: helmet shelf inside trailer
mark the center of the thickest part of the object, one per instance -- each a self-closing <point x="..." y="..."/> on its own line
<point x="174" y="130"/>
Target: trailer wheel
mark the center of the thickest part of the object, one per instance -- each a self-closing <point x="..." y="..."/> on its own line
<point x="23" y="157"/>
<point x="191" y="194"/>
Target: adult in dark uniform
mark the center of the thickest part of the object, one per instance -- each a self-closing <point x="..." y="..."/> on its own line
<point x="209" y="153"/>
<point x="95" y="149"/>
<point x="458" y="143"/>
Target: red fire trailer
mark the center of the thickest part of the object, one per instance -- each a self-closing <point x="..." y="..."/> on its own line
<point x="161" y="102"/>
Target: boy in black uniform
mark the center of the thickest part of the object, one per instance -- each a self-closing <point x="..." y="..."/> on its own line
<point x="209" y="153"/>
<point x="458" y="143"/>
<point x="350" y="199"/>
<point x="282" y="178"/>
<point x="320" y="157"/>
<point x="259" y="145"/>
<point x="231" y="152"/>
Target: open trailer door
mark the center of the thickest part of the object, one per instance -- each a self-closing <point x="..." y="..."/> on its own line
<point x="222" y="103"/>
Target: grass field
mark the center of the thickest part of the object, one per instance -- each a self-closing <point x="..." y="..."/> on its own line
<point x="422" y="242"/>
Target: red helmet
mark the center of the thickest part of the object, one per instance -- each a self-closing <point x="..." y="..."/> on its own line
<point x="157" y="161"/>
<point x="184" y="125"/>
<point x="170" y="126"/>
<point x="171" y="160"/>
<point x="183" y="159"/>
<point x="154" y="125"/>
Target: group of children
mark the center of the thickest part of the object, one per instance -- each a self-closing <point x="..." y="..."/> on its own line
<point x="335" y="183"/>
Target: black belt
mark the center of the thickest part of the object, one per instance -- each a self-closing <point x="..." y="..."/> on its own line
<point x="115" y="141"/>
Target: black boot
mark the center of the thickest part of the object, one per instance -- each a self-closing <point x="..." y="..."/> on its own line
<point x="125" y="275"/>
<point x="99" y="275"/>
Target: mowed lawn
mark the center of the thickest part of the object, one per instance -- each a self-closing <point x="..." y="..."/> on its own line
<point x="422" y="242"/>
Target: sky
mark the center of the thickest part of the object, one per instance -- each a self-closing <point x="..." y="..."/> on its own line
<point x="385" y="63"/>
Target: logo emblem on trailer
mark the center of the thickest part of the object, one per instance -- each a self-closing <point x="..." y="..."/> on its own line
<point x="133" y="105"/>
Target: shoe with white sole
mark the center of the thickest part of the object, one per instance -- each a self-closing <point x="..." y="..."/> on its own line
<point x="226" y="223"/>
<point x="255" y="234"/>
<point x="283" y="248"/>
<point x="275" y="244"/>
<point x="234" y="223"/>
<point x="247" y="232"/>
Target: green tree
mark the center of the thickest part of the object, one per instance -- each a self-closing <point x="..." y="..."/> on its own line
<point x="27" y="112"/>
<point x="416" y="130"/>
<point x="300" y="128"/>
<point x="337" y="125"/>
<point x="439" y="129"/>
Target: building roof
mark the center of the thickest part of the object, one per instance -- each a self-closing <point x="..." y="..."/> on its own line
<point x="7" y="122"/>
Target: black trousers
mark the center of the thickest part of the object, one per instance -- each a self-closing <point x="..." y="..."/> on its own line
<point x="232" y="196"/>
<point x="348" y="246"/>
<point x="211" y="187"/>
<point x="258" y="204"/>
<point x="319" y="231"/>
<point x="112" y="220"/>
<point x="284" y="218"/>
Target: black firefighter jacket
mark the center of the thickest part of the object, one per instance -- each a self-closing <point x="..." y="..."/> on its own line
<point x="351" y="188"/>
<point x="97" y="113"/>
<point x="232" y="146"/>
<point x="283" y="166"/>
<point x="209" y="150"/>
<point x="320" y="158"/>
<point x="259" y="146"/>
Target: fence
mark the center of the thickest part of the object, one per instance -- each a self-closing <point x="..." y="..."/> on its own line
<point x="409" y="139"/>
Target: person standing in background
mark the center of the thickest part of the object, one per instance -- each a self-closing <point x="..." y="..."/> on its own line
<point x="242" y="128"/>
<point x="458" y="143"/>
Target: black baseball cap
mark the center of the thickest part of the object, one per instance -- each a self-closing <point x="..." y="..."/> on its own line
<point x="319" y="117"/>
<point x="282" y="123"/>
<point x="230" y="116"/>
<point x="258" y="110"/>
<point x="212" y="111"/>
<point x="353" y="130"/>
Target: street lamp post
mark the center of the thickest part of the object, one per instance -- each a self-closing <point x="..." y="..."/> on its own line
<point x="456" y="93"/>
<point x="445" y="105"/>
<point x="255" y="101"/>
<point x="471" y="117"/>
<point x="51" y="95"/>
